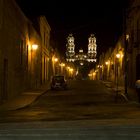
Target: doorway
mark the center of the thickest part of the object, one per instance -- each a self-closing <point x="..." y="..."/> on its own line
<point x="138" y="67"/>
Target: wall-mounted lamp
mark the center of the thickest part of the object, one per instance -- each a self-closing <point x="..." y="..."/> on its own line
<point x="118" y="55"/>
<point x="34" y="46"/>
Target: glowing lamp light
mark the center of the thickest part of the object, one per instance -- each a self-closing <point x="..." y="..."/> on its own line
<point x="81" y="63"/>
<point x="94" y="73"/>
<point x="89" y="75"/>
<point x="106" y="62"/>
<point x="121" y="55"/>
<point x="118" y="55"/>
<point x="56" y="59"/>
<point x="127" y="37"/>
<point x="34" y="46"/>
<point x="63" y="65"/>
<point x="71" y="69"/>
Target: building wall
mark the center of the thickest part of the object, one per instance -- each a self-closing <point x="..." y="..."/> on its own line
<point x="46" y="56"/>
<point x="110" y="67"/>
<point x="13" y="49"/>
<point x="133" y="30"/>
<point x="132" y="49"/>
<point x="20" y="66"/>
<point x="34" y="58"/>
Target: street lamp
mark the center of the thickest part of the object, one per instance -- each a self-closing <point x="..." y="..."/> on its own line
<point x="54" y="62"/>
<point x="71" y="72"/>
<point x="55" y="59"/>
<point x="62" y="65"/>
<point x="56" y="67"/>
<point x="34" y="47"/>
<point x="32" y="54"/>
<point x="117" y="65"/>
<point x="107" y="69"/>
<point x="118" y="55"/>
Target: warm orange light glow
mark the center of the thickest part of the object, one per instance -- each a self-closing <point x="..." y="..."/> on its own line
<point x="71" y="69"/>
<point x="34" y="46"/>
<point x="99" y="66"/>
<point x="56" y="59"/>
<point x="118" y="55"/>
<point x="68" y="68"/>
<point x="62" y="64"/>
<point x="90" y="74"/>
<point x="121" y="55"/>
<point x="106" y="62"/>
<point x="127" y="37"/>
<point x="94" y="73"/>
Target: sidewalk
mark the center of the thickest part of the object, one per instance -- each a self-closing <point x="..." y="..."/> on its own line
<point x="132" y="95"/>
<point x="24" y="99"/>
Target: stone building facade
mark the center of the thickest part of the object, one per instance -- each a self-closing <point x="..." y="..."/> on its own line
<point x="24" y="51"/>
<point x="133" y="48"/>
<point x="13" y="49"/>
<point x="129" y="43"/>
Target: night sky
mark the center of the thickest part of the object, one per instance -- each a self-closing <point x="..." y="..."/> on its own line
<point x="103" y="18"/>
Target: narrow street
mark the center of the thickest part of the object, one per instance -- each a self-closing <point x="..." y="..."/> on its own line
<point x="83" y="100"/>
<point x="92" y="45"/>
<point x="86" y="110"/>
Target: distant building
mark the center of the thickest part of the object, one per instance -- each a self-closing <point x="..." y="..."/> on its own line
<point x="70" y="50"/>
<point x="92" y="49"/>
<point x="90" y="56"/>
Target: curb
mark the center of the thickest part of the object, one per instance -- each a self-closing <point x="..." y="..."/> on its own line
<point x="37" y="97"/>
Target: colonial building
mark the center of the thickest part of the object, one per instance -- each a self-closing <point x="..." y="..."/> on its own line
<point x="14" y="40"/>
<point x="90" y="56"/>
<point x="133" y="41"/>
<point x="24" y="51"/>
<point x="128" y="46"/>
<point x="45" y="48"/>
<point x="70" y="50"/>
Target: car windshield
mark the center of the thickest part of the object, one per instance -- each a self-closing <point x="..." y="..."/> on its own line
<point x="58" y="78"/>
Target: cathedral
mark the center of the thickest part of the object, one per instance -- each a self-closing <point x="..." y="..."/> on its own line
<point x="90" y="56"/>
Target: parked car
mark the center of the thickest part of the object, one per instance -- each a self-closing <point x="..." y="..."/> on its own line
<point x="58" y="82"/>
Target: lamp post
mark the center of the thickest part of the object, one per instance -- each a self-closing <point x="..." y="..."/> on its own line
<point x="34" y="47"/>
<point x="107" y="65"/>
<point x="71" y="72"/>
<point x="55" y="65"/>
<point x="117" y="81"/>
<point x="62" y="65"/>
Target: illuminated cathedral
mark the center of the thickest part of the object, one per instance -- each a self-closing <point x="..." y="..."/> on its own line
<point x="90" y="56"/>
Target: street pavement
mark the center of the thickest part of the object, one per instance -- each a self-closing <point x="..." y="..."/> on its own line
<point x="28" y="97"/>
<point x="24" y="99"/>
<point x="65" y="131"/>
<point x="131" y="95"/>
<point x="97" y="129"/>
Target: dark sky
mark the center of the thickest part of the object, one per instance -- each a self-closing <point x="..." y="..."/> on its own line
<point x="81" y="18"/>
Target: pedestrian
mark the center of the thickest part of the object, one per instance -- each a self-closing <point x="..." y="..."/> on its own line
<point x="137" y="86"/>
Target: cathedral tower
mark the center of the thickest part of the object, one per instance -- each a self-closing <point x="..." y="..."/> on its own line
<point x="70" y="52"/>
<point x="92" y="48"/>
